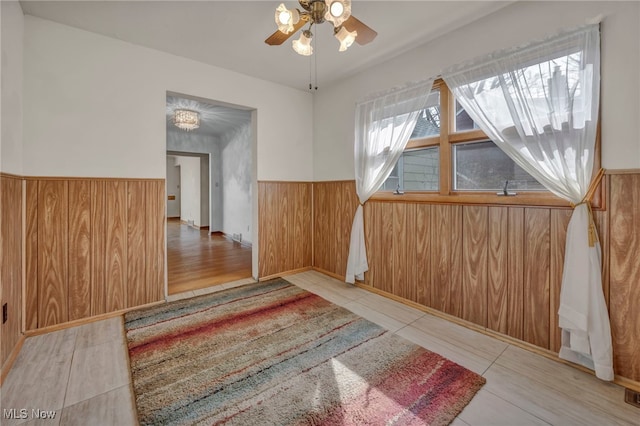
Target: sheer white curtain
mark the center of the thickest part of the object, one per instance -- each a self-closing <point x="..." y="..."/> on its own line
<point x="539" y="104"/>
<point x="382" y="129"/>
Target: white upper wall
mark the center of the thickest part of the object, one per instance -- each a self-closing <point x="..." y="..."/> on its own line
<point x="236" y="182"/>
<point x="190" y="187"/>
<point x="173" y="187"/>
<point x="11" y="36"/>
<point x="181" y="141"/>
<point x="96" y="106"/>
<point x="334" y="107"/>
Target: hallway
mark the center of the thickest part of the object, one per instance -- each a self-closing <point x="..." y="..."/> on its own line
<point x="197" y="260"/>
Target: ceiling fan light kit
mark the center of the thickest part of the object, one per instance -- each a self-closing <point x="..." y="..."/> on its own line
<point x="338" y="11"/>
<point x="302" y="46"/>
<point x="286" y="19"/>
<point x="346" y="38"/>
<point x="346" y="27"/>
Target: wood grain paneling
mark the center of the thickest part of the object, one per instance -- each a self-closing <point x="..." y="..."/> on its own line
<point x="536" y="276"/>
<point x="98" y="247"/>
<point x="300" y="249"/>
<point x="446" y="263"/>
<point x="423" y="254"/>
<point x="497" y="270"/>
<point x="334" y="204"/>
<point x="321" y="233"/>
<point x="404" y="250"/>
<point x="79" y="286"/>
<point x="10" y="265"/>
<point x="136" y="240"/>
<point x="116" y="246"/>
<point x="81" y="235"/>
<point x="474" y="263"/>
<point x="285" y="232"/>
<point x="381" y="221"/>
<point x="31" y="256"/>
<point x="282" y="227"/>
<point x="53" y="253"/>
<point x="154" y="240"/>
<point x="624" y="286"/>
<point x="515" y="273"/>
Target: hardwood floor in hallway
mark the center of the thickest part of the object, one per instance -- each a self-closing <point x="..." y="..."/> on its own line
<point x="198" y="260"/>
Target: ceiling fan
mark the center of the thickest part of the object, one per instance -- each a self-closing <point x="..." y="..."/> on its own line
<point x="346" y="27"/>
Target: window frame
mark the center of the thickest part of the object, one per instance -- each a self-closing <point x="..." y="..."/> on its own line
<point x="447" y="139"/>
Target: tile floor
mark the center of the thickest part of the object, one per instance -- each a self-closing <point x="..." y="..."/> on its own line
<point x="81" y="373"/>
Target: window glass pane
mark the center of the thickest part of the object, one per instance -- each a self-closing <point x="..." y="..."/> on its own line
<point x="483" y="166"/>
<point x="392" y="182"/>
<point x="462" y="120"/>
<point x="428" y="123"/>
<point x="416" y="170"/>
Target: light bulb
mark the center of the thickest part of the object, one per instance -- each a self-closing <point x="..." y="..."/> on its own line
<point x="286" y="19"/>
<point x="337" y="11"/>
<point x="336" y="8"/>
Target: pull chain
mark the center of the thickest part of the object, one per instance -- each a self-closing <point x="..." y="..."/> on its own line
<point x="315" y="61"/>
<point x="310" y="72"/>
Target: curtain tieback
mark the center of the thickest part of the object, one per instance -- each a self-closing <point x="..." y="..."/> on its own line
<point x="593" y="236"/>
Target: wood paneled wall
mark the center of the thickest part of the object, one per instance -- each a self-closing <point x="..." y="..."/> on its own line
<point x="93" y="246"/>
<point x="10" y="264"/>
<point x="334" y="205"/>
<point x="491" y="266"/>
<point x="496" y="266"/>
<point x="285" y="232"/>
<point x="624" y="266"/>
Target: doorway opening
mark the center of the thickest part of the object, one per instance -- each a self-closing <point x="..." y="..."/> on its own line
<point x="211" y="181"/>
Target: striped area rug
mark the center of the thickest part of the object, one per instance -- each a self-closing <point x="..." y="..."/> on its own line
<point x="273" y="354"/>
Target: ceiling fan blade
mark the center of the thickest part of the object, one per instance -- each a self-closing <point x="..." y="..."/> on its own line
<point x="279" y="37"/>
<point x="365" y="33"/>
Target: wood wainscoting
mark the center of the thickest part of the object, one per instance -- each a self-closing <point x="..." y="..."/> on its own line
<point x="11" y="205"/>
<point x="499" y="267"/>
<point x="334" y="205"/>
<point x="284" y="222"/>
<point x="624" y="267"/>
<point x="93" y="246"/>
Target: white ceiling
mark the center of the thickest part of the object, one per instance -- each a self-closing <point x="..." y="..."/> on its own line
<point x="231" y="34"/>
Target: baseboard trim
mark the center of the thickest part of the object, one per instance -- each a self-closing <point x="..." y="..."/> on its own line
<point x="12" y="358"/>
<point x="285" y="273"/>
<point x="331" y="274"/>
<point x="83" y="321"/>
<point x="230" y="238"/>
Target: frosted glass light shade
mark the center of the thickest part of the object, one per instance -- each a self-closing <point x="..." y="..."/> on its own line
<point x="286" y="18"/>
<point x="302" y="46"/>
<point x="186" y="119"/>
<point x="338" y="11"/>
<point x="346" y="38"/>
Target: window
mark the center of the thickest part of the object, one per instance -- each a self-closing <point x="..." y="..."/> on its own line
<point x="448" y="158"/>
<point x="416" y="170"/>
<point x="481" y="166"/>
<point x="462" y="122"/>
